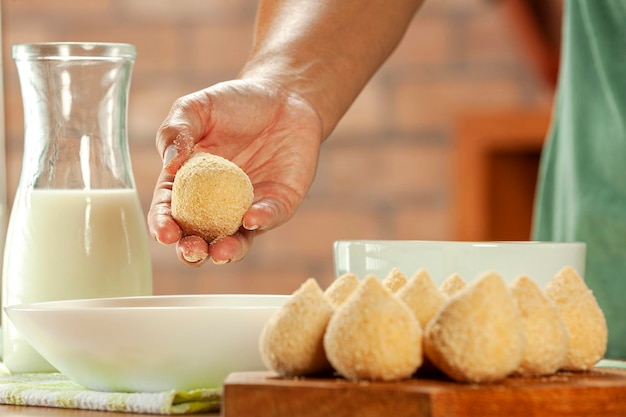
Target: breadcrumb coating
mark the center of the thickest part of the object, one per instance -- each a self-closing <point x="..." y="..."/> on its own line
<point x="341" y="288"/>
<point x="547" y="339"/>
<point x="477" y="335"/>
<point x="481" y="332"/>
<point x="395" y="280"/>
<point x="451" y="285"/>
<point x="210" y="195"/>
<point x="583" y="318"/>
<point x="291" y="342"/>
<point x="374" y="336"/>
<point x="422" y="296"/>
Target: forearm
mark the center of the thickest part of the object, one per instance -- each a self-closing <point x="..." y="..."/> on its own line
<point x="326" y="50"/>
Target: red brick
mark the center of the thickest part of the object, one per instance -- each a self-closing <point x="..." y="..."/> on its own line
<point x="191" y="11"/>
<point x="246" y="276"/>
<point x="423" y="223"/>
<point x="426" y="42"/>
<point x="13" y="169"/>
<point x="13" y="114"/>
<point x="312" y="231"/>
<point x="157" y="46"/>
<point x="385" y="171"/>
<point x="367" y="114"/>
<point x="148" y="105"/>
<point x="490" y="38"/>
<point x="436" y="103"/>
<point x="220" y="48"/>
<point x="22" y="33"/>
<point x="68" y="10"/>
<point x="146" y="164"/>
<point x="455" y="6"/>
<point x="222" y="280"/>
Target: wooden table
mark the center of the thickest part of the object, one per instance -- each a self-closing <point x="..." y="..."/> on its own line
<point x="599" y="392"/>
<point x="24" y="411"/>
<point x="265" y="394"/>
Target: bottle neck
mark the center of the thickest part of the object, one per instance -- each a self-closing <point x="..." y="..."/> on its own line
<point x="75" y="133"/>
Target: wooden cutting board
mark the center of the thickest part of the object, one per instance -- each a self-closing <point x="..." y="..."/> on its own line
<point x="599" y="392"/>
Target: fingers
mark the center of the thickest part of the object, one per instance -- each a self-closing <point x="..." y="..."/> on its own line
<point x="175" y="143"/>
<point x="179" y="132"/>
<point x="161" y="225"/>
<point x="192" y="250"/>
<point x="231" y="248"/>
<point x="250" y="133"/>
<point x="263" y="215"/>
<point x="179" y="149"/>
<point x="195" y="251"/>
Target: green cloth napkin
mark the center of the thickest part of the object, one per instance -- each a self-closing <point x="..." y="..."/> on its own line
<point x="56" y="390"/>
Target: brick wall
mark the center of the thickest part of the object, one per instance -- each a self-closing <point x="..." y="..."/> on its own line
<point x="384" y="174"/>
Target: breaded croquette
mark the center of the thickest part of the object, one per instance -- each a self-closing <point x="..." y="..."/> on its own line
<point x="451" y="285"/>
<point x="583" y="318"/>
<point x="291" y="342"/>
<point x="395" y="280"/>
<point x="210" y="195"/>
<point x="477" y="336"/>
<point x="374" y="336"/>
<point x="422" y="296"/>
<point x="341" y="288"/>
<point x="547" y="339"/>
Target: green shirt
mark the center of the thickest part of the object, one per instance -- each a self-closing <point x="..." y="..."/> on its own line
<point x="582" y="180"/>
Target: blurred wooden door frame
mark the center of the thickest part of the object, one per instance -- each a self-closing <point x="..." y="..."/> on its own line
<point x="497" y="153"/>
<point x="496" y="161"/>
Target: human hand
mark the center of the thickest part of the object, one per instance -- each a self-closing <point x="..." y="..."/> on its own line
<point x="272" y="134"/>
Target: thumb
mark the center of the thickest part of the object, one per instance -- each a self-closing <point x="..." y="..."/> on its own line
<point x="177" y="152"/>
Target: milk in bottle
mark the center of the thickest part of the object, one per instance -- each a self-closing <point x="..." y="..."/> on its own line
<point x="76" y="228"/>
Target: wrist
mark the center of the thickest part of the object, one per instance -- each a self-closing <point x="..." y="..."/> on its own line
<point x="302" y="82"/>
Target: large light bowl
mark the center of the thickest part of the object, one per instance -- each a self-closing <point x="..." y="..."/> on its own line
<point x="538" y="260"/>
<point x="153" y="343"/>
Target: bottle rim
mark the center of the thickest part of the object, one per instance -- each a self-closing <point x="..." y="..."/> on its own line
<point x="74" y="50"/>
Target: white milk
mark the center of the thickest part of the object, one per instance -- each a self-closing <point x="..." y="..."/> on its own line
<point x="68" y="244"/>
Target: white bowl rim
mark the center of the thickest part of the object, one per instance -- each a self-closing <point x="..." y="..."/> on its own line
<point x="85" y="303"/>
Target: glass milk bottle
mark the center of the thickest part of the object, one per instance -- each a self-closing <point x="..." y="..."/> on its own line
<point x="3" y="170"/>
<point x="76" y="229"/>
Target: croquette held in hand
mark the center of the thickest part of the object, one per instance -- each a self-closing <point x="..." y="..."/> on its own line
<point x="210" y="195"/>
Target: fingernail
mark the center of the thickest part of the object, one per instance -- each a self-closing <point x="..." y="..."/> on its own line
<point x="170" y="154"/>
<point x="220" y="262"/>
<point x="194" y="258"/>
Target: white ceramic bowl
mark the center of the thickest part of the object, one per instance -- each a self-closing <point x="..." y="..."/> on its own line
<point x="147" y="344"/>
<point x="539" y="260"/>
